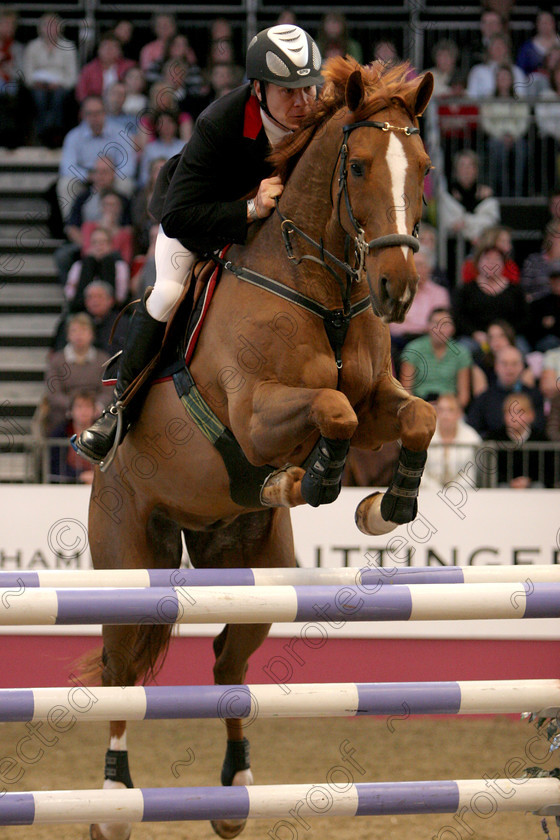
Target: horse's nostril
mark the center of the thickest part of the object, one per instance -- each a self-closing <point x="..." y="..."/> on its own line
<point x="384" y="283"/>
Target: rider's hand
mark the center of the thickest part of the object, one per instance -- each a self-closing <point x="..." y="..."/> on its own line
<point x="269" y="189"/>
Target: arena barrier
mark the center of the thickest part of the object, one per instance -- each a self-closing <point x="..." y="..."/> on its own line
<point x="542" y="796"/>
<point x="346" y="576"/>
<point x="540" y="697"/>
<point x="264" y="604"/>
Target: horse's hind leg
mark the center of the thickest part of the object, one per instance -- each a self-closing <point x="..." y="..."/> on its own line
<point x="129" y="652"/>
<point x="255" y="539"/>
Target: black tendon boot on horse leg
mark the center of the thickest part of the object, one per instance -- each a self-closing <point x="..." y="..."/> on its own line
<point x="142" y="343"/>
<point x="380" y="513"/>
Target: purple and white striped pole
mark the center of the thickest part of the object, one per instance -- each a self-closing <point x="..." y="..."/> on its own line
<point x="263" y="604"/>
<point x="541" y="796"/>
<point x="347" y="576"/>
<point x="265" y="701"/>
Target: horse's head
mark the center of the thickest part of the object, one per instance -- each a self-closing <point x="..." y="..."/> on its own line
<point x="378" y="194"/>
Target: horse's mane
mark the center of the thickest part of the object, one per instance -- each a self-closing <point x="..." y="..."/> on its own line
<point x="383" y="86"/>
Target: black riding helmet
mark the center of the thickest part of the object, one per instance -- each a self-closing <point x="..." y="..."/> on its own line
<point x="286" y="56"/>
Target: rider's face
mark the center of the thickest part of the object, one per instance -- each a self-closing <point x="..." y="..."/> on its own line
<point x="288" y="106"/>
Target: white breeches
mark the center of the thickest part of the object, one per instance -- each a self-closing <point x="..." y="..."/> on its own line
<point x="173" y="263"/>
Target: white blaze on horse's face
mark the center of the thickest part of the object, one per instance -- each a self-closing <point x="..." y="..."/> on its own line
<point x="397" y="164"/>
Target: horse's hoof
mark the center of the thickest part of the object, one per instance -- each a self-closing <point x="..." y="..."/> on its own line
<point x="115" y="831"/>
<point x="282" y="488"/>
<point x="228" y="828"/>
<point x="368" y="516"/>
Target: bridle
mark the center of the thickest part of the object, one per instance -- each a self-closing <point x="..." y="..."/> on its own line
<point x="361" y="246"/>
<point x="391" y="240"/>
<point x="336" y="321"/>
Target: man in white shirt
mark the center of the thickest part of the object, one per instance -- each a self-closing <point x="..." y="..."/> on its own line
<point x="96" y="136"/>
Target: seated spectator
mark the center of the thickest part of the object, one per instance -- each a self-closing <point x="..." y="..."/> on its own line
<point x="386" y="53"/>
<point x="548" y="108"/>
<point x="99" y="263"/>
<point x="553" y="417"/>
<point x="94" y="137"/>
<point x="142" y="220"/>
<point x="102" y="72"/>
<point x="50" y="69"/>
<point x="448" y="79"/>
<point x="334" y="39"/>
<point x="223" y="79"/>
<point x="166" y="144"/>
<point x="16" y="109"/>
<point x="481" y="81"/>
<point x="367" y="468"/>
<point x="86" y="207"/>
<point x="532" y="53"/>
<point x="435" y="364"/>
<point x="452" y="447"/>
<point x="135" y="100"/>
<point x="498" y="237"/>
<point x="66" y="466"/>
<point x="499" y="334"/>
<point x="505" y="120"/>
<point x="114" y="99"/>
<point x="429" y="295"/>
<point x="468" y="207"/>
<point x="489" y="298"/>
<point x="128" y="39"/>
<point x="545" y="314"/>
<point x="191" y="98"/>
<point x="491" y="23"/>
<point x="547" y="118"/>
<point x="162" y="97"/>
<point x="77" y="367"/>
<point x="112" y="214"/>
<point x="165" y="28"/>
<point x="195" y="89"/>
<point x="549" y="382"/>
<point x="534" y="273"/>
<point x="516" y="467"/>
<point x="485" y="413"/>
<point x="427" y="237"/>
<point x="100" y="306"/>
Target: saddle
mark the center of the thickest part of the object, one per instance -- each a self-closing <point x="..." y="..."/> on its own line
<point x="181" y="333"/>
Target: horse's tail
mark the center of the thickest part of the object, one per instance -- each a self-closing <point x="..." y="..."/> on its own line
<point x="145" y="656"/>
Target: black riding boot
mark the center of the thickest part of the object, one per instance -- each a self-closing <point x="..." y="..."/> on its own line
<point x="142" y="342"/>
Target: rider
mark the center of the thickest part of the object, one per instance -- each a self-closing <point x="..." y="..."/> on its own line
<point x="198" y="194"/>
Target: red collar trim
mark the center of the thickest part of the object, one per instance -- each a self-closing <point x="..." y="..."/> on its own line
<point x="253" y="120"/>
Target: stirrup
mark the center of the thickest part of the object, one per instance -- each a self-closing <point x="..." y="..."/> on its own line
<point x="118" y="409"/>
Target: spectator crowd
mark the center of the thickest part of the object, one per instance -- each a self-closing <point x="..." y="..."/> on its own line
<point x="481" y="342"/>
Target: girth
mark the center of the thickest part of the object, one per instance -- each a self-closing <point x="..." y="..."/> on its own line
<point x="245" y="480"/>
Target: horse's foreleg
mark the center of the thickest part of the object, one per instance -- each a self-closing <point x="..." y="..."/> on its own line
<point x="283" y="415"/>
<point x="413" y="421"/>
<point x="118" y="642"/>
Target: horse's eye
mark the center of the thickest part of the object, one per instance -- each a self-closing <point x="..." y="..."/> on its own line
<point x="427" y="170"/>
<point x="357" y="169"/>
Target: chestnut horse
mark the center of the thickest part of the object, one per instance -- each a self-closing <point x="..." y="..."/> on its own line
<point x="293" y="363"/>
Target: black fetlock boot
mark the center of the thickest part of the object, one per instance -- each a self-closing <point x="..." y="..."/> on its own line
<point x="143" y="341"/>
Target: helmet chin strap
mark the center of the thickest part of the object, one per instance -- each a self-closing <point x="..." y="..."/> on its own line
<point x="264" y="105"/>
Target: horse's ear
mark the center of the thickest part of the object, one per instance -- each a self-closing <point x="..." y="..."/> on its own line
<point x="423" y="94"/>
<point x="354" y="90"/>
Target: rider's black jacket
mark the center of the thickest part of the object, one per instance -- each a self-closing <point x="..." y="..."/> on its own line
<point x="198" y="196"/>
